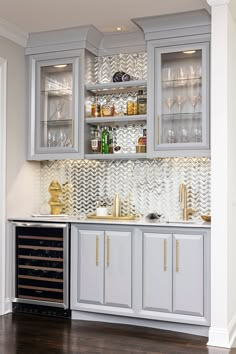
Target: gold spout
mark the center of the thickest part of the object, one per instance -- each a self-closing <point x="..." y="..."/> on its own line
<point x="183" y="200"/>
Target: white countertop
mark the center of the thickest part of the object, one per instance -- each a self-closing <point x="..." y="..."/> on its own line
<point x="142" y="222"/>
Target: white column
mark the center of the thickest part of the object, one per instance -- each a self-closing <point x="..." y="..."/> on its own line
<point x="223" y="320"/>
<point x="3" y="76"/>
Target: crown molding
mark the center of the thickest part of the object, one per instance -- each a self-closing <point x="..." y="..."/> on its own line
<point x="13" y="33"/>
<point x="218" y="2"/>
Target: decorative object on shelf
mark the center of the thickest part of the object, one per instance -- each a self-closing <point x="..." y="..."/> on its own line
<point x="108" y="108"/>
<point x="116" y="210"/>
<point x="120" y="76"/>
<point x="55" y="190"/>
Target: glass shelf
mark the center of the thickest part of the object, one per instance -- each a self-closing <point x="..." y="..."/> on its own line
<point x="195" y="115"/>
<point x="57" y="92"/>
<point x="59" y="122"/>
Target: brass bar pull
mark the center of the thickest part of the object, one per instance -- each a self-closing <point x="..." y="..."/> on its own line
<point x="108" y="251"/>
<point x="97" y="250"/>
<point x="165" y="256"/>
<point x="177" y="256"/>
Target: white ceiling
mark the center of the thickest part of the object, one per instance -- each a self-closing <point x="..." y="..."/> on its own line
<point x="106" y="15"/>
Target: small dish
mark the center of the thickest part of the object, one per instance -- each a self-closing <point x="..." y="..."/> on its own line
<point x="206" y="218"/>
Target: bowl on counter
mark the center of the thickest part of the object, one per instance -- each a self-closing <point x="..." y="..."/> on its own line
<point x="206" y="218"/>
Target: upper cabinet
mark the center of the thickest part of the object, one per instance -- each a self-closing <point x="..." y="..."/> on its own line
<point x="179" y="100"/>
<point x="56" y="98"/>
<point x="122" y="96"/>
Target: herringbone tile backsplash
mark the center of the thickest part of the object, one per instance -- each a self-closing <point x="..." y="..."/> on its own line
<point x="144" y="185"/>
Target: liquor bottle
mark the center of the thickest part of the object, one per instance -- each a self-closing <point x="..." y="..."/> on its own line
<point x="95" y="142"/>
<point x="108" y="109"/>
<point x="141" y="103"/>
<point x="105" y="141"/>
<point x="111" y="141"/>
<point x="96" y="108"/>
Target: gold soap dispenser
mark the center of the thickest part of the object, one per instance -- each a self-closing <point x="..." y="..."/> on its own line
<point x="55" y="203"/>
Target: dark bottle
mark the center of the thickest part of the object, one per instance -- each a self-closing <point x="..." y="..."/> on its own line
<point x="105" y="141"/>
<point x="141" y="103"/>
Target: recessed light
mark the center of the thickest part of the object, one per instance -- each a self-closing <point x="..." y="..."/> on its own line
<point x="189" y="52"/>
<point x="60" y="66"/>
<point x="118" y="28"/>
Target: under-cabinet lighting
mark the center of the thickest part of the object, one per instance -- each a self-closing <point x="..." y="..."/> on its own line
<point x="189" y="52"/>
<point x="60" y="66"/>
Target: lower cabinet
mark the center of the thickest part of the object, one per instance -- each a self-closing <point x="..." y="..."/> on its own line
<point x="173" y="286"/>
<point x="103" y="265"/>
<point x="152" y="273"/>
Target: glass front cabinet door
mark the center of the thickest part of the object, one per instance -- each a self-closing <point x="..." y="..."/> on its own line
<point x="181" y="101"/>
<point x="56" y="101"/>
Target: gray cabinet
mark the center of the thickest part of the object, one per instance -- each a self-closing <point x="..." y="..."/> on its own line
<point x="178" y="106"/>
<point x="188" y="274"/>
<point x="157" y="272"/>
<point x="101" y="268"/>
<point x="176" y="286"/>
<point x="90" y="266"/>
<point x="56" y="105"/>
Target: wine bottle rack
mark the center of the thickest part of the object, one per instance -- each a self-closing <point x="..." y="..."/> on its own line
<point x="42" y="264"/>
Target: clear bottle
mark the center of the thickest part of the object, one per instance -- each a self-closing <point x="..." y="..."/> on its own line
<point x="105" y="141"/>
<point x="141" y="103"/>
<point x="96" y="108"/>
<point x="108" y="109"/>
<point x="95" y="142"/>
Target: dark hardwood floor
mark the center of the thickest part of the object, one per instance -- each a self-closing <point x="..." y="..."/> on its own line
<point x="28" y="334"/>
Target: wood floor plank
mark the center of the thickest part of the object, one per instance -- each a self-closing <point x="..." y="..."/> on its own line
<point x="29" y="334"/>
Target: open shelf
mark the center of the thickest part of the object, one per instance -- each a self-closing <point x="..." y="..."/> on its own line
<point x="111" y="87"/>
<point x="117" y="119"/>
<point x="118" y="156"/>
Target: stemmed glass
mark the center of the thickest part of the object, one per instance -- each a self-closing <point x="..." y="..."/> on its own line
<point x="194" y="101"/>
<point x="183" y="134"/>
<point x="169" y="101"/>
<point x="180" y="100"/>
<point x="170" y="135"/>
<point x="197" y="134"/>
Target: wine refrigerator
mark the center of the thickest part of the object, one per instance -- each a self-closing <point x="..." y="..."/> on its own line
<point x="41" y="266"/>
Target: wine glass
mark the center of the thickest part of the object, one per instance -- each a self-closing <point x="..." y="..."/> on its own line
<point x="194" y="101"/>
<point x="169" y="101"/>
<point x="184" y="135"/>
<point x="197" y="134"/>
<point x="168" y="74"/>
<point x="180" y="100"/>
<point x="171" y="135"/>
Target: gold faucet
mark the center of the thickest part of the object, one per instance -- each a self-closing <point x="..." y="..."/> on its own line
<point x="183" y="200"/>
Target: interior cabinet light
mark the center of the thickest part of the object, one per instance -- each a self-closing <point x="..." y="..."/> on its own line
<point x="189" y="52"/>
<point x="60" y="66"/>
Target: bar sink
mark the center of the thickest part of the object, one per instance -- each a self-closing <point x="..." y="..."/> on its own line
<point x="111" y="217"/>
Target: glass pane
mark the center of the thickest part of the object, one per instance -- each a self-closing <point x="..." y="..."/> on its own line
<point x="181" y="97"/>
<point x="56" y="106"/>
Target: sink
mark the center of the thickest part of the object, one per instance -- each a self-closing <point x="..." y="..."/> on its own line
<point x="111" y="217"/>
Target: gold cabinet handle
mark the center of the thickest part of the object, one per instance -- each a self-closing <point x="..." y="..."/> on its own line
<point x="108" y="250"/>
<point x="165" y="256"/>
<point x="177" y="256"/>
<point x="97" y="251"/>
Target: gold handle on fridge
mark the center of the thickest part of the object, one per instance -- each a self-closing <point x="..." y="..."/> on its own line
<point x="97" y="250"/>
<point x="177" y="256"/>
<point x="165" y="256"/>
<point x="108" y="250"/>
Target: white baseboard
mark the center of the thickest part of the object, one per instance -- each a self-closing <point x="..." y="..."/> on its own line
<point x="168" y="326"/>
<point x="8" y="306"/>
<point x="223" y="337"/>
<point x="219" y="337"/>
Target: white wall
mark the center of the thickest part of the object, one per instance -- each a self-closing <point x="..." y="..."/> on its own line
<point x="231" y="171"/>
<point x="21" y="191"/>
<point x="223" y="140"/>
